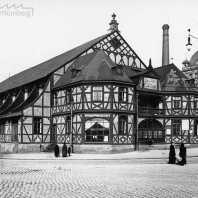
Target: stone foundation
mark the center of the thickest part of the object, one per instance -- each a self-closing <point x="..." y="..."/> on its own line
<point x="102" y="149"/>
<point x="19" y="148"/>
<point x="85" y="148"/>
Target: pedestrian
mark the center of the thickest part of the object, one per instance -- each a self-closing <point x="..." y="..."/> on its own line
<point x="135" y="138"/>
<point x="150" y="141"/>
<point x="69" y="150"/>
<point x="172" y="154"/>
<point x="64" y="150"/>
<point x="56" y="150"/>
<point x="182" y="154"/>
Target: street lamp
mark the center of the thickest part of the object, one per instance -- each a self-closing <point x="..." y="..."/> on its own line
<point x="71" y="131"/>
<point x="189" y="45"/>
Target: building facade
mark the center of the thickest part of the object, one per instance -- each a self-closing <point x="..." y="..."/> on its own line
<point x="99" y="94"/>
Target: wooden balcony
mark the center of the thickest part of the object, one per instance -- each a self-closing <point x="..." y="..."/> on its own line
<point x="150" y="111"/>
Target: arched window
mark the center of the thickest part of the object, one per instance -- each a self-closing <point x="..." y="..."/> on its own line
<point x="97" y="130"/>
<point x="122" y="124"/>
<point x="68" y="125"/>
<point x="150" y="129"/>
<point x="176" y="124"/>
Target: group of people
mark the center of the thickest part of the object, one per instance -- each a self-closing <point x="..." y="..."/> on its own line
<point x="181" y="158"/>
<point x="65" y="150"/>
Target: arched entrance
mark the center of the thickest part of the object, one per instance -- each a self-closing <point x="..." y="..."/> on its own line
<point x="151" y="129"/>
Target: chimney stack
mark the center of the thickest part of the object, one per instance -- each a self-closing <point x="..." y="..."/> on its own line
<point x="165" y="45"/>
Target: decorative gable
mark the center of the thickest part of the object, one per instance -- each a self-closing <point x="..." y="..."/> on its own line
<point x="119" y="51"/>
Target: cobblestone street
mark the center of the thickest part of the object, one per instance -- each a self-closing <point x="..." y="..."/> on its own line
<point x="97" y="178"/>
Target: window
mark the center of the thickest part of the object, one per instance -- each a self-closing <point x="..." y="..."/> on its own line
<point x="196" y="127"/>
<point x="97" y="93"/>
<point x="37" y="125"/>
<point x="176" y="102"/>
<point x="150" y="129"/>
<point x="97" y="130"/>
<point x="68" y="125"/>
<point x="68" y="95"/>
<point x="122" y="124"/>
<point x="196" y="103"/>
<point x="123" y="94"/>
<point x="176" y="127"/>
<point x="115" y="43"/>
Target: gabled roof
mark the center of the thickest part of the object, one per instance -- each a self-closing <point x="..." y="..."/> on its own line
<point x="172" y="79"/>
<point x="112" y="43"/>
<point x="47" y="67"/>
<point x="96" y="66"/>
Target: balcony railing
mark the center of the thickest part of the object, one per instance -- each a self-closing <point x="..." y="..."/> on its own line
<point x="150" y="111"/>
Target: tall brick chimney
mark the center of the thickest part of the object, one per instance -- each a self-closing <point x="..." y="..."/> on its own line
<point x="165" y="45"/>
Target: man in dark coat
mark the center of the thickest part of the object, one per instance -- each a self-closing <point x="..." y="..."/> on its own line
<point x="56" y="150"/>
<point x="69" y="150"/>
<point x="64" y="150"/>
<point x="182" y="154"/>
<point x="171" y="154"/>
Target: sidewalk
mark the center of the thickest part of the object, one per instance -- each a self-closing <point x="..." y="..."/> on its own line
<point x="150" y="154"/>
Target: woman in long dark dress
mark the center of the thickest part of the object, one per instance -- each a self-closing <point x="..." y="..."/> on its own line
<point x="182" y="154"/>
<point x="69" y="150"/>
<point x="172" y="154"/>
<point x="64" y="150"/>
<point x="56" y="150"/>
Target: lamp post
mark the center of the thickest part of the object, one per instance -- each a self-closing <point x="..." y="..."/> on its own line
<point x="189" y="45"/>
<point x="71" y="132"/>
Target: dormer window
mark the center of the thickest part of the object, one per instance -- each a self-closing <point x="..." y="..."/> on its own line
<point x="117" y="70"/>
<point x="74" y="72"/>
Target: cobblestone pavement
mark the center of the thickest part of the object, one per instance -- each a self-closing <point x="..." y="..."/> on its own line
<point x="97" y="178"/>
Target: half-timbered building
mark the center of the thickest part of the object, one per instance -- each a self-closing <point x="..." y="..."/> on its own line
<point x="98" y="97"/>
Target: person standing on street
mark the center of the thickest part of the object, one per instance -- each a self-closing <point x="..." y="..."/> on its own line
<point x="64" y="150"/>
<point x="182" y="154"/>
<point x="69" y="150"/>
<point x="172" y="154"/>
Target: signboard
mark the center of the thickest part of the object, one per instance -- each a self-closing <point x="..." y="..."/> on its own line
<point x="185" y="125"/>
<point x="150" y="83"/>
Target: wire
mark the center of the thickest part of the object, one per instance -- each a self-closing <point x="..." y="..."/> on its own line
<point x="169" y="38"/>
<point x="124" y="57"/>
<point x="193" y="36"/>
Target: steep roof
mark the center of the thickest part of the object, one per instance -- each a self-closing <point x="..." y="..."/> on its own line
<point x="96" y="66"/>
<point x="47" y="67"/>
<point x="172" y="79"/>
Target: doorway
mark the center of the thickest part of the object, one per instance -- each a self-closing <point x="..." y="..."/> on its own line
<point x="151" y="129"/>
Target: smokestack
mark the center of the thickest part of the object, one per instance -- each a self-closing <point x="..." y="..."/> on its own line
<point x="165" y="45"/>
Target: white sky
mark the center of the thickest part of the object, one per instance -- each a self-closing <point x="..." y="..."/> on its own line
<point x="60" y="25"/>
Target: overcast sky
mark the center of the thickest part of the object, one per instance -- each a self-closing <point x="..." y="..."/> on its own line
<point x="56" y="26"/>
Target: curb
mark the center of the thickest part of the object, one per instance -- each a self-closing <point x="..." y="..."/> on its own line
<point x="91" y="159"/>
